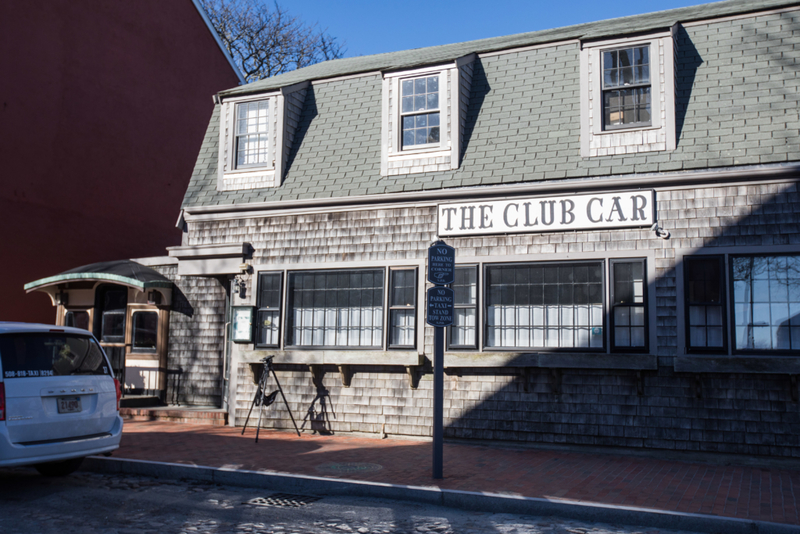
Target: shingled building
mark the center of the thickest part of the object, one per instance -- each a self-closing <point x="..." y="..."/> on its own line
<point x="622" y="197"/>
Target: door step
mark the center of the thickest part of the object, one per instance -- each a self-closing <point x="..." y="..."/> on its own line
<point x="140" y="401"/>
<point x="175" y="414"/>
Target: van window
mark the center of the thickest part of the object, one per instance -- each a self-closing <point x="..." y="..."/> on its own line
<point x="47" y="354"/>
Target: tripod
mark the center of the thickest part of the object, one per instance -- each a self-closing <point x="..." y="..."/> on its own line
<point x="263" y="400"/>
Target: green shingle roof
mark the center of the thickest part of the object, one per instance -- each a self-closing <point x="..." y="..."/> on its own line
<point x="523" y="123"/>
<point x="434" y="55"/>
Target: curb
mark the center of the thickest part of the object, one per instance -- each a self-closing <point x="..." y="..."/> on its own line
<point x="468" y="500"/>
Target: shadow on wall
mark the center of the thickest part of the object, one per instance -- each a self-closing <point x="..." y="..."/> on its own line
<point x="317" y="417"/>
<point x="307" y="115"/>
<point x="478" y="91"/>
<point x="742" y="413"/>
<point x="687" y="62"/>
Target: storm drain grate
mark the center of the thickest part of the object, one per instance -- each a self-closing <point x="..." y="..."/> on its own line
<point x="286" y="500"/>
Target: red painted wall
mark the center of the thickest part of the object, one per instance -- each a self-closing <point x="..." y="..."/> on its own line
<point x="103" y="107"/>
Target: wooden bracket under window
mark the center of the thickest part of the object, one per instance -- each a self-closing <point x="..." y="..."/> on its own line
<point x="556" y="376"/>
<point x="793" y="379"/>
<point x="639" y="384"/>
<point x="527" y="376"/>
<point x="347" y="375"/>
<point x="697" y="387"/>
<point x="413" y="372"/>
<point x="316" y="374"/>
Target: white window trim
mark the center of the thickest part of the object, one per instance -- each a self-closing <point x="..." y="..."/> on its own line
<point x="662" y="82"/>
<point x="449" y="135"/>
<point x="227" y="139"/>
<point x="443" y="111"/>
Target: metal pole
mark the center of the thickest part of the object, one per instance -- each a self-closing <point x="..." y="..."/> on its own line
<point x="438" y="403"/>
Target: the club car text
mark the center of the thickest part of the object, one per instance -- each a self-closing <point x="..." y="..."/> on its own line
<point x="547" y="214"/>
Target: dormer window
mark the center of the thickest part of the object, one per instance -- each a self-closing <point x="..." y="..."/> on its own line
<point x="256" y="132"/>
<point x="420" y="115"/>
<point x="626" y="87"/>
<point x="424" y="111"/>
<point x="252" y="134"/>
<point x="628" y="96"/>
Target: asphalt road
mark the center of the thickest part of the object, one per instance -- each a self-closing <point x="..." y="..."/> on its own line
<point x="90" y="503"/>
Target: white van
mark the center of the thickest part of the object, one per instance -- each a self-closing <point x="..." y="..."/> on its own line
<point x="59" y="400"/>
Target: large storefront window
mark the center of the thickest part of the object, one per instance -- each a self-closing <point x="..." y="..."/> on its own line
<point x="335" y="308"/>
<point x="766" y="296"/>
<point x="545" y="305"/>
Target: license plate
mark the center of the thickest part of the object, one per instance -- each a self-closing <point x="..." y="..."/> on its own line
<point x="69" y="404"/>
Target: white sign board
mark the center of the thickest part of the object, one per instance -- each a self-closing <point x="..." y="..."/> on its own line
<point x="548" y="214"/>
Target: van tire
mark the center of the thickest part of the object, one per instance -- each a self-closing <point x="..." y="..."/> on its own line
<point x="59" y="469"/>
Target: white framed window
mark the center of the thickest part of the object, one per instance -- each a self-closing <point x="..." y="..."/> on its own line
<point x="424" y="112"/>
<point x="628" y="96"/>
<point x="419" y="112"/>
<point x="626" y="87"/>
<point x="251" y="134"/>
<point x="255" y="135"/>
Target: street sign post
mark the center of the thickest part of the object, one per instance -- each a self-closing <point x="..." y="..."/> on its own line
<point x="441" y="264"/>
<point x="440" y="306"/>
<point x="441" y="271"/>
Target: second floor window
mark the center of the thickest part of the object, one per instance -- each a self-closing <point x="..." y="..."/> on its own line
<point x="252" y="134"/>
<point x="419" y="111"/>
<point x="626" y="87"/>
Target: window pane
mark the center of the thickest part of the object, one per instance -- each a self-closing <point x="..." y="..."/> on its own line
<point x="766" y="305"/>
<point x="345" y="313"/>
<point x="517" y="318"/>
<point x="403" y="288"/>
<point x="703" y="299"/>
<point x="113" y="328"/>
<point x="465" y="285"/>
<point x="77" y="319"/>
<point x="402" y="328"/>
<point x="252" y="133"/>
<point x="36" y="355"/>
<point x="268" y="327"/>
<point x="145" y="331"/>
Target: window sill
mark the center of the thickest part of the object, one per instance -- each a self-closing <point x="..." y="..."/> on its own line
<point x="786" y="365"/>
<point x="248" y="171"/>
<point x="141" y="356"/>
<point x="552" y="360"/>
<point x="626" y="130"/>
<point x="336" y="357"/>
<point x="420" y="153"/>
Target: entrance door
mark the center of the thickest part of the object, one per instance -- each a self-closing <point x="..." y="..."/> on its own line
<point x="111" y="306"/>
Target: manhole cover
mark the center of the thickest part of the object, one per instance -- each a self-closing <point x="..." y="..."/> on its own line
<point x="283" y="499"/>
<point x="349" y="467"/>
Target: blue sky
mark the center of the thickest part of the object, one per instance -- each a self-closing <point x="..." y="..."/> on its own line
<point x="375" y="26"/>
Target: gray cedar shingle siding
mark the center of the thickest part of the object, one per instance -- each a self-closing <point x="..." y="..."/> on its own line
<point x="736" y="412"/>
<point x="736" y="104"/>
<point x="196" y="322"/>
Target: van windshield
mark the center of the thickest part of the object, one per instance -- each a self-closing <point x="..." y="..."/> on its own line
<point x="48" y="354"/>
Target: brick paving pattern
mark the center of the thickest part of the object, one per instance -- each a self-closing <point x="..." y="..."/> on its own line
<point x="745" y="492"/>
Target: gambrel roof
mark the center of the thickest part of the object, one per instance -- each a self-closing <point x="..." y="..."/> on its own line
<point x="524" y="121"/>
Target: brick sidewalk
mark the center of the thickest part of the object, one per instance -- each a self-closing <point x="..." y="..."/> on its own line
<point x="756" y="493"/>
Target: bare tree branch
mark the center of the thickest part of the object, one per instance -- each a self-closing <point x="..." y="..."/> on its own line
<point x="266" y="41"/>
